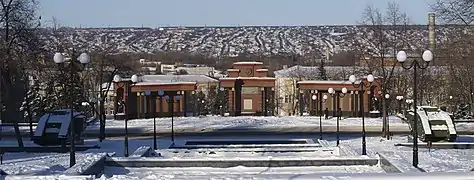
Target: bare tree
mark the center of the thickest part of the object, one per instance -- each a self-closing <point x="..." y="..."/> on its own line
<point x="457" y="50"/>
<point x="455" y="11"/>
<point x="18" y="40"/>
<point x="384" y="34"/>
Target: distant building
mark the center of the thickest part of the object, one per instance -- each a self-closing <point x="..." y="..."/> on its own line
<point x="141" y="105"/>
<point x="257" y="93"/>
<point x="350" y="103"/>
<point x="167" y="68"/>
<point x="109" y="98"/>
<point x="287" y="81"/>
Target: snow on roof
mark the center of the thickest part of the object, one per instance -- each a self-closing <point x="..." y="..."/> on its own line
<point x="343" y="72"/>
<point x="232" y="78"/>
<point x="177" y="78"/>
<point x="248" y="62"/>
<point x="163" y="83"/>
<point x="325" y="82"/>
<point x="233" y="69"/>
<point x="262" y="69"/>
<point x="312" y="72"/>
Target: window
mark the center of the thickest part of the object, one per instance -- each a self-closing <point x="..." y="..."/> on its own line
<point x="248" y="104"/>
<point x="287" y="98"/>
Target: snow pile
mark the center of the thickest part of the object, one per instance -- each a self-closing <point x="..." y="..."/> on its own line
<point x="89" y="161"/>
<point x="44" y="164"/>
<point x="434" y="160"/>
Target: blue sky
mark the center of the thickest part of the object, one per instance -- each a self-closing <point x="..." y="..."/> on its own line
<point x="157" y="13"/>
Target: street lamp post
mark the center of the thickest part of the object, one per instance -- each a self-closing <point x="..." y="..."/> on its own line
<point x="427" y="57"/>
<point x="409" y="102"/>
<point x="313" y="103"/>
<point x="300" y="102"/>
<point x="320" y="101"/>
<point x="451" y="107"/>
<point x="170" y="99"/>
<point x="362" y="85"/>
<point x="221" y="101"/>
<point x="387" y="97"/>
<point x="160" y="94"/>
<point x="338" y="113"/>
<point x="117" y="79"/>
<point x="202" y="106"/>
<point x="399" y="99"/>
<point x="73" y="67"/>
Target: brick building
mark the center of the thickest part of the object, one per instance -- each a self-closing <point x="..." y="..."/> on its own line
<point x="144" y="98"/>
<point x="349" y="102"/>
<point x="248" y="90"/>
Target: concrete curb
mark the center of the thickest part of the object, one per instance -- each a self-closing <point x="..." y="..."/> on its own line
<point x="441" y="145"/>
<point x="93" y="166"/>
<point x="259" y="150"/>
<point x="247" y="146"/>
<point x="395" y="166"/>
<point x="386" y="165"/>
<point x="347" y="151"/>
<point x="143" y="151"/>
<point x="36" y="177"/>
<point x="226" y="163"/>
<point x="324" y="143"/>
<point x="2" y="173"/>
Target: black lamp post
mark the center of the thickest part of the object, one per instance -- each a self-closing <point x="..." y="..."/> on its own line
<point x="451" y="107"/>
<point x="399" y="100"/>
<point x="338" y="112"/>
<point x="171" y="101"/>
<point x="409" y="102"/>
<point x="160" y="94"/>
<point x="315" y="98"/>
<point x="427" y="57"/>
<point x="222" y="101"/>
<point x="300" y="101"/>
<point x="73" y="67"/>
<point x="202" y="105"/>
<point x="362" y="85"/>
<point x="134" y="80"/>
<point x="387" y="98"/>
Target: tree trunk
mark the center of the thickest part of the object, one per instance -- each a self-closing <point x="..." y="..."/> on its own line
<point x="384" y="117"/>
<point x="15" y="92"/>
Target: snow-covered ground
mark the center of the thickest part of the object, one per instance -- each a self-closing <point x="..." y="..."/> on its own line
<point x="232" y="173"/>
<point x="42" y="163"/>
<point x="217" y="122"/>
<point x="213" y="123"/>
<point x="436" y="160"/>
<point x="281" y="124"/>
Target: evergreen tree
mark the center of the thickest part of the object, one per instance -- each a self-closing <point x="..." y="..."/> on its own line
<point x="201" y="103"/>
<point x="58" y="91"/>
<point x="322" y="71"/>
<point x="213" y="101"/>
<point x="32" y="105"/>
<point x="51" y="96"/>
<point x="76" y="90"/>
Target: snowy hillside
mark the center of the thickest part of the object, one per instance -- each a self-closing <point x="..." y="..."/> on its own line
<point x="232" y="41"/>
